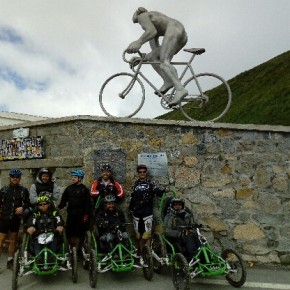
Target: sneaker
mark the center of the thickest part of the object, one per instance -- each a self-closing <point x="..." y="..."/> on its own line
<point x="10" y="264"/>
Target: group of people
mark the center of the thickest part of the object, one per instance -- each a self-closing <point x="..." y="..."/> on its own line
<point x="39" y="207"/>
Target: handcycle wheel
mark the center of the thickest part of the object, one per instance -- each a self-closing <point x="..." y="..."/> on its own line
<point x="217" y="101"/>
<point x="158" y="249"/>
<point x="15" y="269"/>
<point x="237" y="273"/>
<point x="74" y="264"/>
<point x="93" y="273"/>
<point x="148" y="261"/>
<point x="86" y="249"/>
<point x="180" y="272"/>
<point x="122" y="95"/>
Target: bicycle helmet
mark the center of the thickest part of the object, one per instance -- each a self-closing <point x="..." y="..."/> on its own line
<point x="106" y="167"/>
<point x="44" y="170"/>
<point x="141" y="166"/>
<point x="109" y="198"/>
<point x="176" y="200"/>
<point x="15" y="172"/>
<point x="77" y="172"/>
<point x="43" y="198"/>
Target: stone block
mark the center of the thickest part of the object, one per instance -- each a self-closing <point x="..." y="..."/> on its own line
<point x="248" y="232"/>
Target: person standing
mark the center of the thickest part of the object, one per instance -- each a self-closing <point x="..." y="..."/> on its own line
<point x="44" y="183"/>
<point x="14" y="198"/>
<point x="107" y="185"/>
<point x="141" y="206"/>
<point x="78" y="201"/>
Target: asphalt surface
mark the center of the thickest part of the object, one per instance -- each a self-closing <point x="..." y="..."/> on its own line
<point x="257" y="278"/>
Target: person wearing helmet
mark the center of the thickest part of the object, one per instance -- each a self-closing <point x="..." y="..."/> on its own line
<point x="78" y="201"/>
<point x="45" y="219"/>
<point x="14" y="198"/>
<point x="106" y="185"/>
<point x="176" y="217"/>
<point x="107" y="219"/>
<point x="44" y="182"/>
<point x="141" y="206"/>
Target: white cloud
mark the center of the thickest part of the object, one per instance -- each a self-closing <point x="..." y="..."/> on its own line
<point x="70" y="47"/>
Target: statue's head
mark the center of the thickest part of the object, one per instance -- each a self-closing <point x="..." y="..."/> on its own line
<point x="137" y="13"/>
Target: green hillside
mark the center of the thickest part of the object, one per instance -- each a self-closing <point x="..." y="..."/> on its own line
<point x="259" y="96"/>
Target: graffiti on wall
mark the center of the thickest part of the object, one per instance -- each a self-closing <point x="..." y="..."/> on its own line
<point x="21" y="148"/>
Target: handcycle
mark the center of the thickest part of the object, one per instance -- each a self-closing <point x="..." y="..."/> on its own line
<point x="122" y="258"/>
<point x="45" y="262"/>
<point x="209" y="95"/>
<point x="205" y="263"/>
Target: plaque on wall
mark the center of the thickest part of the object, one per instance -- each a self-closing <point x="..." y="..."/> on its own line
<point x="21" y="148"/>
<point x="116" y="158"/>
<point x="156" y="162"/>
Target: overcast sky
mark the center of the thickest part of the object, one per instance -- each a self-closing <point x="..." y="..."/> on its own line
<point x="55" y="54"/>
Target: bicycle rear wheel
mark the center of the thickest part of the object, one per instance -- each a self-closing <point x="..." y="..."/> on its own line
<point x="122" y="95"/>
<point x="215" y="103"/>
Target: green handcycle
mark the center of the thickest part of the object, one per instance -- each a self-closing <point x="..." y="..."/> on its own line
<point x="122" y="258"/>
<point x="206" y="263"/>
<point x="46" y="262"/>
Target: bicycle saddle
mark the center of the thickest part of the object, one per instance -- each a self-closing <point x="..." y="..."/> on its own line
<point x="195" y="50"/>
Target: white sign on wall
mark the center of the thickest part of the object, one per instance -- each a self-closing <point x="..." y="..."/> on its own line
<point x="156" y="162"/>
<point x="21" y="133"/>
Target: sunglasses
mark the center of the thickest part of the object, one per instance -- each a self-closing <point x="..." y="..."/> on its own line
<point x="43" y="203"/>
<point x="142" y="171"/>
<point x="14" y="176"/>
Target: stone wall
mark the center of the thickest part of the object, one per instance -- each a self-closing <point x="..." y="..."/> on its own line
<point x="235" y="178"/>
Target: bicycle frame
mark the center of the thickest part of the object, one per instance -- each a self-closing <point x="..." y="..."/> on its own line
<point x="137" y="72"/>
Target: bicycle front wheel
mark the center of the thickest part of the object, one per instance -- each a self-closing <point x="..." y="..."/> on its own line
<point x="122" y="95"/>
<point x="209" y="98"/>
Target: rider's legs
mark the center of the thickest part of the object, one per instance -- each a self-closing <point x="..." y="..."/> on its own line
<point x="173" y="41"/>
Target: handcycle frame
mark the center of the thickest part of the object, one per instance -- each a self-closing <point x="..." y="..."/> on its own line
<point x="201" y="98"/>
<point x="206" y="262"/>
<point x="120" y="259"/>
<point x="25" y="263"/>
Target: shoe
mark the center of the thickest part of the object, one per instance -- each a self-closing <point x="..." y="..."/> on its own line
<point x="179" y="96"/>
<point x="10" y="264"/>
<point x="164" y="89"/>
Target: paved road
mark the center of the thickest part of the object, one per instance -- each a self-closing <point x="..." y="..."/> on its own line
<point x="257" y="279"/>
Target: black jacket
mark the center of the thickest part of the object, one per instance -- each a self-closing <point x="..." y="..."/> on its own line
<point x="12" y="197"/>
<point x="77" y="198"/>
<point x="141" y="202"/>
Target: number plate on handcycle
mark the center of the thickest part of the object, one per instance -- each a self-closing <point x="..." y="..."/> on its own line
<point x="45" y="238"/>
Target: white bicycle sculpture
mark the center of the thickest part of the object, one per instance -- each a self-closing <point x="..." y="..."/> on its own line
<point x="123" y="94"/>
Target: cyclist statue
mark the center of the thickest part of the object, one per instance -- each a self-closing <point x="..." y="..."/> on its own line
<point x="155" y="25"/>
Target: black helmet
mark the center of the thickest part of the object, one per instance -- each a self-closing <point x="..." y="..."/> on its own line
<point x="15" y="172"/>
<point x="141" y="166"/>
<point x="176" y="200"/>
<point x="44" y="170"/>
<point x="109" y="198"/>
<point x="106" y="167"/>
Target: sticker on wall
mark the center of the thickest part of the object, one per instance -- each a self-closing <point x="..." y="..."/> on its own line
<point x="21" y="148"/>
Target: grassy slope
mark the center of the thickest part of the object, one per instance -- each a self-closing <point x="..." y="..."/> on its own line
<point x="260" y="95"/>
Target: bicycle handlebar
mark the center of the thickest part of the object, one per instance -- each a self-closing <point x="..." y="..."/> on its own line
<point x="142" y="55"/>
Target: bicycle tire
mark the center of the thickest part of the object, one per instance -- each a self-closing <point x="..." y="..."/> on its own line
<point x="148" y="260"/>
<point x="113" y="105"/>
<point x="180" y="272"/>
<point x="238" y="276"/>
<point x="15" y="269"/>
<point x="159" y="249"/>
<point x="219" y="98"/>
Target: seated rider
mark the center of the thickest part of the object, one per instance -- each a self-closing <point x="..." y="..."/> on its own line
<point x="106" y="221"/>
<point x="45" y="219"/>
<point x="177" y="216"/>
